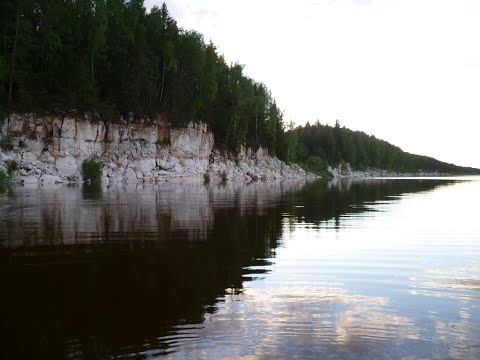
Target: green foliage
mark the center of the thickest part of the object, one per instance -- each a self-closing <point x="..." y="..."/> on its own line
<point x="92" y="170"/>
<point x="163" y="143"/>
<point x="323" y="145"/>
<point x="6" y="143"/>
<point x="288" y="144"/>
<point x="92" y="191"/>
<point x="162" y="168"/>
<point x="112" y="56"/>
<point x="3" y="74"/>
<point x="12" y="166"/>
<point x="224" y="175"/>
<point x="316" y="164"/>
<point x="4" y="177"/>
<point x="206" y="177"/>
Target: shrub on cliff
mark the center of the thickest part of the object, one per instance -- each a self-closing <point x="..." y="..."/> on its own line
<point x="224" y="175"/>
<point x="7" y="176"/>
<point x="3" y="177"/>
<point x="92" y="170"/>
<point x="6" y="143"/>
<point x="12" y="166"/>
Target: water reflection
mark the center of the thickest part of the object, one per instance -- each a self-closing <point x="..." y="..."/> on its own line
<point x="447" y="282"/>
<point x="353" y="196"/>
<point x="92" y="191"/>
<point x="303" y="322"/>
<point x="451" y="285"/>
<point x="139" y="214"/>
<point x="3" y="188"/>
<point x="112" y="274"/>
<point x="191" y="271"/>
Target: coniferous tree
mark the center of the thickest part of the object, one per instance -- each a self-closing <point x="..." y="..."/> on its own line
<point x="113" y="57"/>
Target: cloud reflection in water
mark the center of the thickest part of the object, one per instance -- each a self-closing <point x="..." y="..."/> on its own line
<point x="302" y="321"/>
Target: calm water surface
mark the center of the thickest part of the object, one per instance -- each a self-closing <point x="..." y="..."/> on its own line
<point x="348" y="269"/>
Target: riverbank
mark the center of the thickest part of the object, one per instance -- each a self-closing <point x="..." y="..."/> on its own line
<point x="345" y="172"/>
<point x="51" y="149"/>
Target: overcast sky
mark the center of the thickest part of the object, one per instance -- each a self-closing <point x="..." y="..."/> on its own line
<point x="406" y="71"/>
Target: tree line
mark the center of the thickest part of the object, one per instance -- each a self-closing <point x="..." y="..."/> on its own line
<point x="320" y="146"/>
<point x="113" y="57"/>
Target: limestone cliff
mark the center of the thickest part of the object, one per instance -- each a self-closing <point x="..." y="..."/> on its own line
<point x="52" y="149"/>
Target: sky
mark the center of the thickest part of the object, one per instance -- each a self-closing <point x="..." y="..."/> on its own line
<point x="406" y="71"/>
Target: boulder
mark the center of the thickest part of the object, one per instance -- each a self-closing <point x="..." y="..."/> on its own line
<point x="145" y="166"/>
<point x="28" y="180"/>
<point x="67" y="166"/>
<point x="34" y="146"/>
<point x="130" y="175"/>
<point x="47" y="157"/>
<point x="50" y="179"/>
<point x="29" y="158"/>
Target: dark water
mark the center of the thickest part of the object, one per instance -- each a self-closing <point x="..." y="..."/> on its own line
<point x="347" y="270"/>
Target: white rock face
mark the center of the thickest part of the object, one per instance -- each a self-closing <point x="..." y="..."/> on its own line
<point x="345" y="172"/>
<point x="191" y="142"/>
<point x="50" y="179"/>
<point x="145" y="166"/>
<point x="67" y="166"/>
<point x="28" y="180"/>
<point x="29" y="157"/>
<point x="69" y="128"/>
<point x="34" y="146"/>
<point x="47" y="157"/>
<point x="54" y="147"/>
<point x="130" y="176"/>
<point x="86" y="130"/>
<point x="145" y="133"/>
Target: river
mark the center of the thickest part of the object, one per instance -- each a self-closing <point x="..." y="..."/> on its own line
<point x="345" y="269"/>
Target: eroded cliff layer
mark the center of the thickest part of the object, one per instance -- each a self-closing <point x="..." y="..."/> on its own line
<point x="52" y="149"/>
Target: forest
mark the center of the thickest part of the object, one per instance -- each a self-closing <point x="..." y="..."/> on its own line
<point x="114" y="58"/>
<point x="319" y="146"/>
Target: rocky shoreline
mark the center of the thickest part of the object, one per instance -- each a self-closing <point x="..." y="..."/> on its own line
<point x="345" y="172"/>
<point x="51" y="149"/>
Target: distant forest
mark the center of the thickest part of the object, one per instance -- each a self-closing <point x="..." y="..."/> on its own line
<point x="321" y="145"/>
<point x="113" y="58"/>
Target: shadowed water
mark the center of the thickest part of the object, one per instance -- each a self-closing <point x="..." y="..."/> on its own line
<point x="342" y="269"/>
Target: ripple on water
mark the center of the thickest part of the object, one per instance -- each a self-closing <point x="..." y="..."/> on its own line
<point x="389" y="269"/>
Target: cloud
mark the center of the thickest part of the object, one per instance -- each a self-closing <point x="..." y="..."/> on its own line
<point x="272" y="323"/>
<point x="362" y="2"/>
<point x="356" y="2"/>
<point x="204" y="13"/>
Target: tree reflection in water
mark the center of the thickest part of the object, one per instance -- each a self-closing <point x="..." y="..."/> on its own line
<point x="98" y="272"/>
